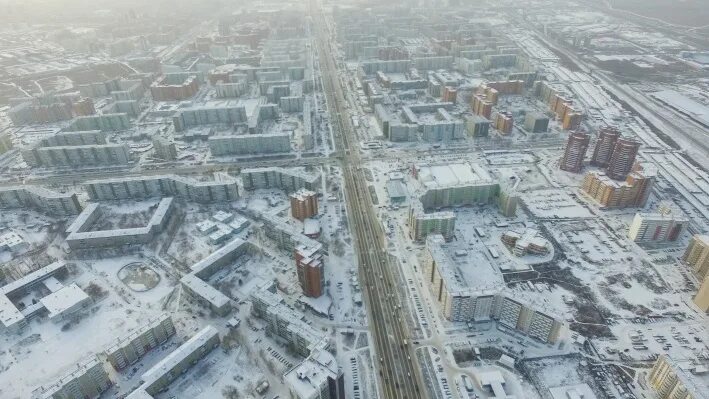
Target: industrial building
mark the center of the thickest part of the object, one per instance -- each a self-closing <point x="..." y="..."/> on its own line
<point x="288" y="180"/>
<point x="222" y="189"/>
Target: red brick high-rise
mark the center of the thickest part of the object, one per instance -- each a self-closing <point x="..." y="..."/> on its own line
<point x="310" y="268"/>
<point x="303" y="204"/>
<point x="575" y="151"/>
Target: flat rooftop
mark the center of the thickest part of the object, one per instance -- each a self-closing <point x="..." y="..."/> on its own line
<point x="453" y="174"/>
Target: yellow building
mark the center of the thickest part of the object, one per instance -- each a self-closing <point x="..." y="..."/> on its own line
<point x="702" y="297"/>
<point x="671" y="380"/>
<point x="697" y="255"/>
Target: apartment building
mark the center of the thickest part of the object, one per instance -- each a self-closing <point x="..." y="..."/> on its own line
<point x="574" y="152"/>
<point x="697" y="255"/>
<point x="609" y="193"/>
<point x="88" y="379"/>
<point x="129" y="349"/>
<point x="421" y="224"/>
<point x="656" y="227"/>
<point x="303" y="204"/>
<point x="671" y="379"/>
<point x="40" y="199"/>
<point x="250" y="144"/>
<point x="222" y="189"/>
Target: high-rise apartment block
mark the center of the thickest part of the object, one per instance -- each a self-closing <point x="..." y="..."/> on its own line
<point x="423" y="224"/>
<point x="164" y="149"/>
<point x="701" y="299"/>
<point x="607" y="137"/>
<point x="5" y="143"/>
<point x="673" y="380"/>
<point x="575" y="151"/>
<point x="310" y="268"/>
<point x="610" y="193"/>
<point x="623" y="158"/>
<point x="656" y="227"/>
<point x="303" y="204"/>
<point x="504" y="122"/>
<point x="482" y="106"/>
<point x="536" y="123"/>
<point x="477" y="126"/>
<point x="697" y="255"/>
<point x="455" y="184"/>
<point x="471" y="292"/>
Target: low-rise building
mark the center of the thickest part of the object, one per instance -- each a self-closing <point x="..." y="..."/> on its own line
<point x="80" y="237"/>
<point x="177" y="362"/>
<point x="250" y="144"/>
<point x="130" y="348"/>
<point x="87" y="380"/>
<point x="288" y="180"/>
<point x="222" y="189"/>
<point x="41" y="199"/>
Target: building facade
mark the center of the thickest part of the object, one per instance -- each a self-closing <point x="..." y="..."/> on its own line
<point x="575" y="151"/>
<point x="303" y="204"/>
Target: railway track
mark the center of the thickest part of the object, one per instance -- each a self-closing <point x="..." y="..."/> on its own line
<point x="398" y="371"/>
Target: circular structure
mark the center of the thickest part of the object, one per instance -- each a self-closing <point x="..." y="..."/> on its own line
<point x="139" y="277"/>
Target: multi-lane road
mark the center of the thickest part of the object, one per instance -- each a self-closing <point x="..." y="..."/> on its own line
<point x="398" y="371"/>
